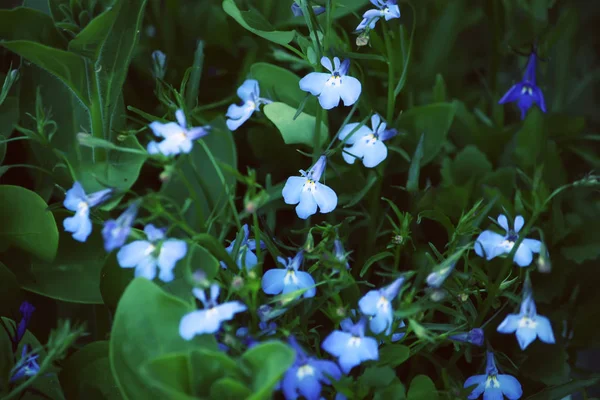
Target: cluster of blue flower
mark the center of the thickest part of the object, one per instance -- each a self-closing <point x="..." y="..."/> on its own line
<point x="351" y="345"/>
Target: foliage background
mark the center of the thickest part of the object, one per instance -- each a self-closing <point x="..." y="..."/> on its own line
<point x="461" y="63"/>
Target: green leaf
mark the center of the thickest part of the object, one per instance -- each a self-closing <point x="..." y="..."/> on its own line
<point x="377" y="376"/>
<point x="146" y="327"/>
<point x="298" y="131"/>
<point x="253" y="21"/>
<point x="439" y="90"/>
<point x="422" y="388"/>
<point x="549" y="367"/>
<point x="26" y="223"/>
<point x="412" y="184"/>
<point x="267" y="363"/>
<point x="18" y="23"/>
<point x="9" y="290"/>
<point x="89" y="41"/>
<point x="280" y="84"/>
<point x="394" y="355"/>
<point x="470" y="165"/>
<point x="230" y="389"/>
<point x="395" y="391"/>
<point x="560" y="391"/>
<point x="170" y="374"/>
<point x="529" y="139"/>
<point x="434" y="121"/>
<point x="210" y="366"/>
<point x="86" y="374"/>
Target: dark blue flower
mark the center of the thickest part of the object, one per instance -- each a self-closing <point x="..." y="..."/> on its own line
<point x="387" y="9"/>
<point x="306" y="376"/>
<point x="494" y="386"/>
<point x="158" y="251"/>
<point x="351" y="346"/>
<point x="308" y="193"/>
<point x="526" y="93"/>
<point x="76" y="200"/>
<point x="210" y="319"/>
<point x="366" y="144"/>
<point x="474" y="336"/>
<point x="333" y="85"/>
<point x="528" y="324"/>
<point x="288" y="279"/>
<point x="178" y="138"/>
<point x="27" y="310"/>
<point x="490" y="244"/>
<point x="245" y="256"/>
<point x="116" y="232"/>
<point x="378" y="305"/>
<point x="249" y="92"/>
<point x="26" y="366"/>
<point x="297" y="10"/>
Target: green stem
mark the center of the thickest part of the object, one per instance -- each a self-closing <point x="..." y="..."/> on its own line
<point x="391" y="98"/>
<point x="192" y="193"/>
<point x="97" y="120"/>
<point x="317" y="134"/>
<point x="294" y="50"/>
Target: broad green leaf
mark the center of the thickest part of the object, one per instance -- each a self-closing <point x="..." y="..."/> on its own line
<point x="89" y="41"/>
<point x="74" y="275"/>
<point x="422" y="388"/>
<point x="394" y="355"/>
<point x="377" y="376"/>
<point x="395" y="391"/>
<point x="267" y="363"/>
<point x="230" y="389"/>
<point x="210" y="366"/>
<point x="529" y="139"/>
<point x="434" y="121"/>
<point x="26" y="223"/>
<point x="86" y="374"/>
<point x="146" y="327"/>
<point x="298" y="131"/>
<point x="560" y="391"/>
<point x="280" y="84"/>
<point x="18" y="23"/>
<point x="170" y="375"/>
<point x="253" y="21"/>
<point x="67" y="67"/>
<point x="470" y="165"/>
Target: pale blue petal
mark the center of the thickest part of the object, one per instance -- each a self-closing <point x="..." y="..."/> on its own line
<point x="80" y="225"/>
<point x="272" y="281"/>
<point x="368" y="349"/>
<point x="166" y="130"/>
<point x="74" y="196"/>
<point x="371" y="14"/>
<point x="510" y="324"/>
<point x="326" y="63"/>
<point x="328" y="369"/>
<point x="544" y="329"/>
<point x="171" y="251"/>
<point x="362" y="25"/>
<point x="510" y="386"/>
<point x="250" y="260"/>
<point x="525" y="336"/>
<point x="314" y="82"/>
<point x="519" y="222"/>
<point x="487" y="244"/>
<point x="374" y="154"/>
<point x="360" y="132"/>
<point x="382" y="321"/>
<point x="153" y="148"/>
<point x="310" y="388"/>
<point x="478" y="380"/>
<point x="180" y="117"/>
<point x="523" y="256"/>
<point x="349" y="90"/>
<point x="325" y="198"/>
<point x="198" y="132"/>
<point x="493" y="394"/>
<point x="249" y="90"/>
<point x="146" y="268"/>
<point x="393" y="12"/>
<point x="292" y="190"/>
<point x="153" y="233"/>
<point x="305" y="281"/>
<point x="200" y="295"/>
<point x="98" y="197"/>
<point x="534" y="245"/>
<point x="368" y="303"/>
<point x="226" y="311"/>
<point x="307" y="205"/>
<point x="336" y="343"/>
<point x="197" y="323"/>
<point x="330" y="96"/>
<point x="237" y="116"/>
<point x="503" y="222"/>
<point x="346" y="324"/>
<point x="131" y="254"/>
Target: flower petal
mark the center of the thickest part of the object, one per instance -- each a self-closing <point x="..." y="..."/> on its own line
<point x="359" y="133"/>
<point x="165" y="130"/>
<point x="226" y="311"/>
<point x="146" y="268"/>
<point x="248" y="260"/>
<point x="534" y="245"/>
<point x="336" y="343"/>
<point x="80" y="225"/>
<point x="503" y="222"/>
<point x="525" y="336"/>
<point x="544" y="329"/>
<point x="74" y="196"/>
<point x="330" y="96"/>
<point x="368" y="349"/>
<point x="326" y="63"/>
<point x="493" y="393"/>
<point x="513" y="94"/>
<point x="153" y="233"/>
<point x="325" y="197"/>
<point x="171" y="251"/>
<point x="289" y="385"/>
<point x="310" y="388"/>
<point x="307" y="205"/>
<point x="510" y="386"/>
<point x="328" y="369"/>
<point x="487" y="244"/>
<point x="349" y="90"/>
<point x="478" y="380"/>
<point x="131" y="254"/>
<point x="180" y="117"/>
<point x="510" y="324"/>
<point x="306" y="281"/>
<point x="519" y="222"/>
<point x="314" y="82"/>
<point x="272" y="281"/>
<point x="235" y="123"/>
<point x="523" y="256"/>
<point x="374" y="154"/>
<point x="248" y="90"/>
<point x="292" y="190"/>
<point x="382" y="321"/>
<point x="368" y="303"/>
<point x="197" y="323"/>
<point x="539" y="98"/>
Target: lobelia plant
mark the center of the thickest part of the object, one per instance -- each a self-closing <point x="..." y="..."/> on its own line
<point x="383" y="282"/>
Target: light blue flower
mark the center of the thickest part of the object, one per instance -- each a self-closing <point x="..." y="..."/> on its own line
<point x="308" y="193"/>
<point x="210" y="319"/>
<point x="116" y="232"/>
<point x="351" y="346"/>
<point x="157" y="251"/>
<point x="387" y="9"/>
<point x="245" y="256"/>
<point x="526" y="93"/>
<point x="436" y="278"/>
<point x="26" y="366"/>
<point x="76" y="200"/>
<point x="378" y="305"/>
<point x="340" y="254"/>
<point x="366" y="144"/>
<point x="490" y="244"/>
<point x="249" y="92"/>
<point x="399" y="335"/>
<point x="306" y="376"/>
<point x="297" y="10"/>
<point x="289" y="279"/>
<point x="494" y="386"/>
<point x="178" y="138"/>
<point x="474" y="336"/>
<point x="332" y="86"/>
<point x="528" y="325"/>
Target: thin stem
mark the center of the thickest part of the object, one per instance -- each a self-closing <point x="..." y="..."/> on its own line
<point x="391" y="98"/>
<point x="192" y="193"/>
<point x="294" y="50"/>
<point x="317" y="134"/>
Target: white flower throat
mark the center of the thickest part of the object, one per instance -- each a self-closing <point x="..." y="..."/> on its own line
<point x="335" y="79"/>
<point x="305" y="370"/>
<point x="492" y="381"/>
<point x="309" y="186"/>
<point x="290" y="277"/>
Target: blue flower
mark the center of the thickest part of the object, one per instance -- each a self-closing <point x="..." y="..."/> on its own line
<point x="366" y="144"/>
<point x="159" y="62"/>
<point x="387" y="9"/>
<point x="306" y="376"/>
<point x="526" y="93"/>
<point x="436" y="278"/>
<point x="210" y="319"/>
<point x="249" y="92"/>
<point x="351" y="346"/>
<point x="490" y="244"/>
<point x="340" y="254"/>
<point x="378" y="304"/>
<point x="146" y="255"/>
<point x="116" y="232"/>
<point x="27" y="310"/>
<point x="178" y="138"/>
<point x="76" y="200"/>
<point x="308" y="193"/>
<point x="474" y="336"/>
<point x="245" y="256"/>
<point x="297" y="10"/>
<point x="26" y="366"/>
<point x="289" y="279"/>
<point x="332" y="86"/>
<point x="528" y="325"/>
<point x="399" y="335"/>
<point x="494" y="386"/>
